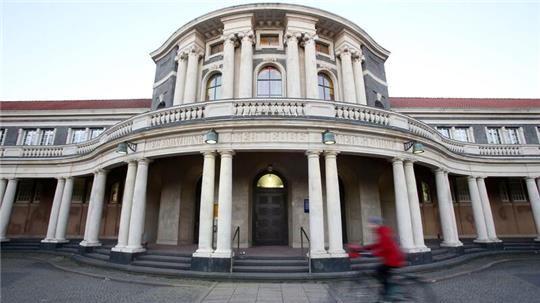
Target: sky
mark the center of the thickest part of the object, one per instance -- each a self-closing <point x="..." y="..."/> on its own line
<point x="82" y="49"/>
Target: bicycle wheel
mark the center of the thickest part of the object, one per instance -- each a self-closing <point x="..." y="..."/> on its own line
<point x="412" y="289"/>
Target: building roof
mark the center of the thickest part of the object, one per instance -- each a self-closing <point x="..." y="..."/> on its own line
<point x="75" y="104"/>
<point x="415" y="102"/>
<point x="396" y="102"/>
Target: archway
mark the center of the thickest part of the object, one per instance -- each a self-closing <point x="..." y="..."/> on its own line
<point x="270" y="209"/>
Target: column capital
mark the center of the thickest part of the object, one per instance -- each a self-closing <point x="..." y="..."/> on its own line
<point x="331" y="153"/>
<point x="409" y="161"/>
<point x="396" y="159"/>
<point x="440" y="170"/>
<point x="226" y="152"/>
<point x="291" y="37"/>
<point x="208" y="153"/>
<point x="180" y="55"/>
<point x="472" y="177"/>
<point x="533" y="178"/>
<point x="131" y="161"/>
<point x="67" y="178"/>
<point x="100" y="171"/>
<point x="313" y="153"/>
<point x="60" y="178"/>
<point x="145" y="161"/>
<point x="195" y="51"/>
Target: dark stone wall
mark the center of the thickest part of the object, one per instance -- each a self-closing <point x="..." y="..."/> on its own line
<point x="375" y="65"/>
<point x="167" y="89"/>
<point x="60" y="137"/>
<point x="11" y="135"/>
<point x="166" y="65"/>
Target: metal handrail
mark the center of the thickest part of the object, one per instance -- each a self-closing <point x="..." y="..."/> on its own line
<point x="237" y="237"/>
<point x="302" y="235"/>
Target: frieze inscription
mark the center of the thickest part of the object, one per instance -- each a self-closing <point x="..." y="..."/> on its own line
<point x="176" y="141"/>
<point x="366" y="141"/>
<point x="271" y="136"/>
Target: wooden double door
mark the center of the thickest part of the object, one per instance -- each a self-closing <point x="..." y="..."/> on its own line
<point x="270" y="225"/>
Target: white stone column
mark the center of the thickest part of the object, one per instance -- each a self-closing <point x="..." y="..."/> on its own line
<point x="293" y="66"/>
<point x="310" y="67"/>
<point x="7" y="206"/>
<point x="486" y="209"/>
<point x="127" y="202"/>
<point x="55" y="209"/>
<point x="333" y="206"/>
<point x="95" y="209"/>
<point x="63" y="215"/>
<point x="138" y="209"/>
<point x="403" y="212"/>
<point x="227" y="86"/>
<point x="224" y="228"/>
<point x="245" y="89"/>
<point x="92" y="194"/>
<point x="181" y="58"/>
<point x="414" y="205"/>
<point x="316" y="218"/>
<point x="190" y="87"/>
<point x="349" y="90"/>
<point x="445" y="209"/>
<point x="359" y="80"/>
<point x="3" y="184"/>
<point x="478" y="212"/>
<point x="452" y="209"/>
<point x="534" y="199"/>
<point x="206" y="218"/>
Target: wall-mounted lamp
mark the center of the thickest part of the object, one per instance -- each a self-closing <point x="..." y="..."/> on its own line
<point x="211" y="137"/>
<point x="417" y="147"/>
<point x="122" y="148"/>
<point x="328" y="137"/>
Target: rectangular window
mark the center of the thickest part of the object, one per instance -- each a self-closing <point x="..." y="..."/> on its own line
<point x="445" y="131"/>
<point x="503" y="191"/>
<point x="462" y="190"/>
<point x="270" y="40"/>
<point x="517" y="194"/>
<point x="78" y="135"/>
<point x="322" y="48"/>
<point x="78" y="190"/>
<point x="3" y="132"/>
<point x="461" y="134"/>
<point x="426" y="193"/>
<point x="494" y="135"/>
<point x="25" y="191"/>
<point x="94" y="132"/>
<point x="512" y="135"/>
<point x="30" y="136"/>
<point x="216" y="48"/>
<point x="47" y="137"/>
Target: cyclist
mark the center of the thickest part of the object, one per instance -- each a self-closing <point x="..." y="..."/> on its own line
<point x="387" y="249"/>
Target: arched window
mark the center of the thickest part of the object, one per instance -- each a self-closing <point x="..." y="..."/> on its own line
<point x="213" y="88"/>
<point x="326" y="87"/>
<point x="270" y="180"/>
<point x="269" y="82"/>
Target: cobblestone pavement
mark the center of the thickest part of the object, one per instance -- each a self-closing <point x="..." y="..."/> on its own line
<point x="50" y="278"/>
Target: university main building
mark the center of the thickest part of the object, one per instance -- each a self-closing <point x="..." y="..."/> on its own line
<point x="270" y="128"/>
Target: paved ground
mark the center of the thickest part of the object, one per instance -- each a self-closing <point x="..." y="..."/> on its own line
<point x="49" y="278"/>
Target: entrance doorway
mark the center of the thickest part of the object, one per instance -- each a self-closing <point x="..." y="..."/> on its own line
<point x="270" y="210"/>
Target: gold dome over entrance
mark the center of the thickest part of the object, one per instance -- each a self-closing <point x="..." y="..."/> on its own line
<point x="270" y="181"/>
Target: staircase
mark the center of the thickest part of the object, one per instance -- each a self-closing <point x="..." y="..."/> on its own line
<point x="366" y="261"/>
<point x="270" y="265"/>
<point x="21" y="245"/>
<point x="164" y="260"/>
<point x="101" y="253"/>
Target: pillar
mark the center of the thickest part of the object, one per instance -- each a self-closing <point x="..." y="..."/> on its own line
<point x="359" y="80"/>
<point x="138" y="210"/>
<point x="403" y="213"/>
<point x="333" y="206"/>
<point x="53" y="217"/>
<point x="478" y="213"/>
<point x="63" y="215"/>
<point x="127" y="202"/>
<point x="206" y="216"/>
<point x="181" y="58"/>
<point x="310" y="67"/>
<point x="414" y="205"/>
<point x="245" y="76"/>
<point x="3" y="184"/>
<point x="293" y="66"/>
<point x="190" y="88"/>
<point x="486" y="209"/>
<point x="224" y="228"/>
<point x="7" y="206"/>
<point x="534" y="199"/>
<point x="316" y="220"/>
<point x="445" y="209"/>
<point x="95" y="210"/>
<point x="452" y="209"/>
<point x="227" y="87"/>
<point x="349" y="90"/>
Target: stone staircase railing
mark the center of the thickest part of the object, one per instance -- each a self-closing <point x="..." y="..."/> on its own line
<point x="278" y="107"/>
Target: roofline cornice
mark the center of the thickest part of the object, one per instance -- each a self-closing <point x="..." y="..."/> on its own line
<point x="366" y="39"/>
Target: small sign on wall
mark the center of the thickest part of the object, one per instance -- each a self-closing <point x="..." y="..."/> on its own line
<point x="306" y="206"/>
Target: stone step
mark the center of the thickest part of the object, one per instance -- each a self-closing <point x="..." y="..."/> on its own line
<point x="21" y="243"/>
<point x="169" y="253"/>
<point x="97" y="256"/>
<point x="68" y="249"/>
<point x="365" y="266"/>
<point x="158" y="264"/>
<point x="474" y="250"/>
<point x="522" y="248"/>
<point x="245" y="257"/>
<point x="284" y="262"/>
<point x="21" y="247"/>
<point x="160" y="258"/>
<point x="102" y="251"/>
<point x="443" y="257"/>
<point x="271" y="269"/>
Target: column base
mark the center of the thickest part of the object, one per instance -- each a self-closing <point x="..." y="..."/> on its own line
<point x="211" y="264"/>
<point x="330" y="264"/>
<point x="133" y="249"/>
<point x="87" y="247"/>
<point x="203" y="253"/>
<point x="451" y="244"/>
<point x="120" y="257"/>
<point x="417" y="258"/>
<point x="537" y="239"/>
<point x="52" y="244"/>
<point x="222" y="254"/>
<point x="480" y="241"/>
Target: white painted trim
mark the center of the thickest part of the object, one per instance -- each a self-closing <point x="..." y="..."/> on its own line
<point x="211" y="72"/>
<point x="164" y="79"/>
<point x="369" y="73"/>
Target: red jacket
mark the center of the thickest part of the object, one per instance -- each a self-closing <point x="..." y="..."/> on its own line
<point x="387" y="248"/>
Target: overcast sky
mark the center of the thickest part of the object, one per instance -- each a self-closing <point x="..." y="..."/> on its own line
<point x="100" y="49"/>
